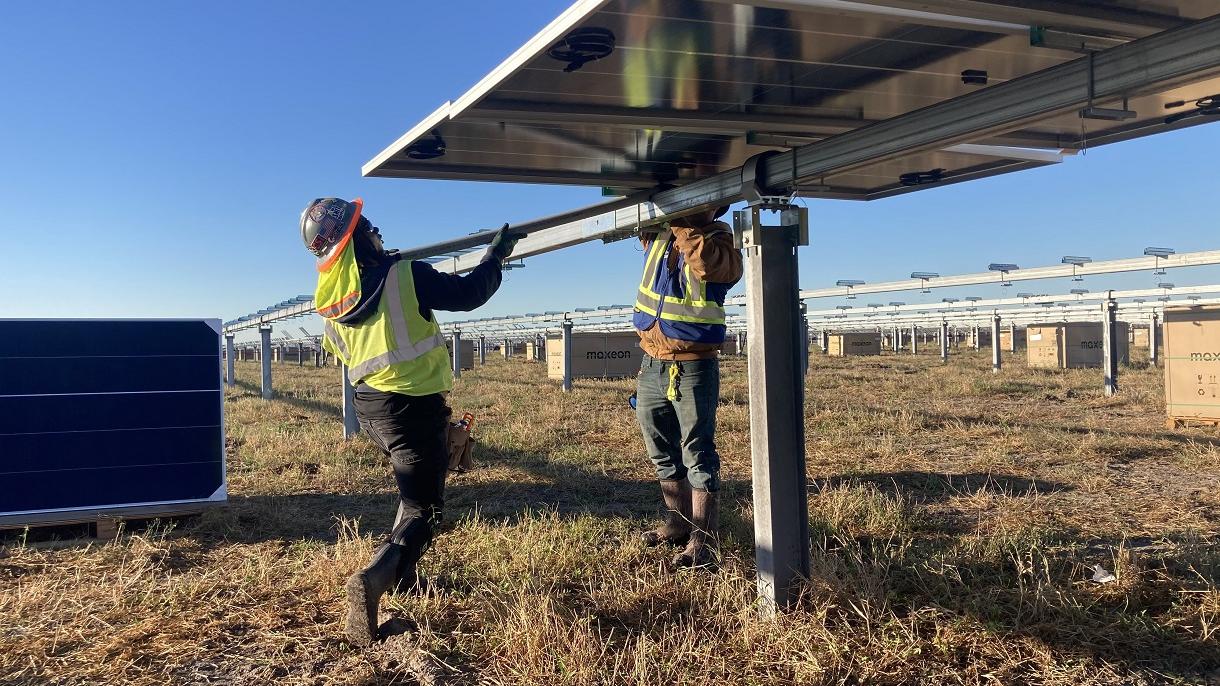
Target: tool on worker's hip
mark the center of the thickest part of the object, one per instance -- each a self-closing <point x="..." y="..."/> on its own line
<point x="461" y="444"/>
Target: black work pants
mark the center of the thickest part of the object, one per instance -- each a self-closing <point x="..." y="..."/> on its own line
<point x="411" y="431"/>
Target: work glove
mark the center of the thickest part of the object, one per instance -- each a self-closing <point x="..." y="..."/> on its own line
<point x="502" y="245"/>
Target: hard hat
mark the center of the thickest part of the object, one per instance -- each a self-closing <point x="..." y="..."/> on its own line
<point x="327" y="225"/>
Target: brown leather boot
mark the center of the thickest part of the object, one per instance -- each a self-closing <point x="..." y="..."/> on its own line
<point x="705" y="520"/>
<point x="364" y="591"/>
<point x="675" y="530"/>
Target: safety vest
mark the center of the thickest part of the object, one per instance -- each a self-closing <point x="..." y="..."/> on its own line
<point x="686" y="307"/>
<point x="396" y="349"/>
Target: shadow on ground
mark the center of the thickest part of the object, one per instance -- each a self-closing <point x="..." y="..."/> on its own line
<point x="327" y="408"/>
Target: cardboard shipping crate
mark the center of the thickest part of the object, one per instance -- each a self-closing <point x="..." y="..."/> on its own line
<point x="1006" y="339"/>
<point x="467" y="352"/>
<point x="1192" y="362"/>
<point x="1140" y="336"/>
<point x="596" y="355"/>
<point x="1071" y="345"/>
<point x="843" y="344"/>
<point x="729" y="347"/>
<point x="531" y="351"/>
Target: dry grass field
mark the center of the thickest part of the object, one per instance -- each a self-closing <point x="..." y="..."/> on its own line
<point x="956" y="514"/>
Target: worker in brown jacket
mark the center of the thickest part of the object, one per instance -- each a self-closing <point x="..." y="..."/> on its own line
<point x="679" y="314"/>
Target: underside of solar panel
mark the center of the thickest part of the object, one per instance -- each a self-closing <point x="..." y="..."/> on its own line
<point x="631" y="95"/>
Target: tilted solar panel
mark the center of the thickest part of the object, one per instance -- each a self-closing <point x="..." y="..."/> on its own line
<point x="636" y="94"/>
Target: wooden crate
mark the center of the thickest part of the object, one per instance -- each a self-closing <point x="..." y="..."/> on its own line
<point x="596" y="355"/>
<point x="1192" y="365"/>
<point x="106" y="523"/>
<point x="844" y="344"/>
<point x="1071" y="345"/>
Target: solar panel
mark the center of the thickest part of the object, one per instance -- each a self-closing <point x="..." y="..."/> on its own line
<point x="103" y="414"/>
<point x="691" y="89"/>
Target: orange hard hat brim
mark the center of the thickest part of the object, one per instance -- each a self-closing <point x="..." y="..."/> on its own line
<point x="327" y="262"/>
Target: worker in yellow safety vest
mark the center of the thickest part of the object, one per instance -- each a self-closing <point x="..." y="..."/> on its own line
<point x="378" y="317"/>
<point x="679" y="314"/>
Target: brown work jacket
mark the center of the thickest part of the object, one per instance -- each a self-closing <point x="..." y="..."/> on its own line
<point x="712" y="257"/>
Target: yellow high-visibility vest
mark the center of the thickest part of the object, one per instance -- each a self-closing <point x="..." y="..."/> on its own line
<point x="687" y="307"/>
<point x="395" y="350"/>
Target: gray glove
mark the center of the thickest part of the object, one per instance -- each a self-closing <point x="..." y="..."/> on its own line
<point x="502" y="245"/>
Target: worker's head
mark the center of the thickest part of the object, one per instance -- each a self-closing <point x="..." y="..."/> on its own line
<point x="699" y="219"/>
<point x="327" y="224"/>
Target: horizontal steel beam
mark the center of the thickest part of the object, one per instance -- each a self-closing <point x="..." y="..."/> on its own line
<point x="1156" y="62"/>
<point x="605" y="226"/>
<point x="1077" y="312"/>
<point x="545" y="223"/>
<point x="1190" y="259"/>
<point x="687" y="121"/>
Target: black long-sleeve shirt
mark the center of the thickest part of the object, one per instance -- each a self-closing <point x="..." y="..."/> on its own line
<point x="452" y="293"/>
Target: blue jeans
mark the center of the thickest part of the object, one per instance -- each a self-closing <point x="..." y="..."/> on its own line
<point x="680" y="434"/>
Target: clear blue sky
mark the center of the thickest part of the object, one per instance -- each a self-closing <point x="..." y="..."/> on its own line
<point x="155" y="156"/>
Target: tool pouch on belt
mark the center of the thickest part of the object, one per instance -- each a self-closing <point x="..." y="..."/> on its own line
<point x="461" y="444"/>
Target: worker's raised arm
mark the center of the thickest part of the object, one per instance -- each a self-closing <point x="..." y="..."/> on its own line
<point x="453" y="293"/>
<point x="710" y="252"/>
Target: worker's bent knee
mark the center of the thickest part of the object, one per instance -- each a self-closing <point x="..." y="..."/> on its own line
<point x="669" y="470"/>
<point x="704" y="481"/>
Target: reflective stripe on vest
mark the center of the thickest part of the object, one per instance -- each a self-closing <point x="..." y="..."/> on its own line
<point x="693" y="308"/>
<point x="405" y="350"/>
<point x="328" y="328"/>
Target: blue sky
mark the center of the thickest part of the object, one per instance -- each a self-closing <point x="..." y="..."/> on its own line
<point x="156" y="156"/>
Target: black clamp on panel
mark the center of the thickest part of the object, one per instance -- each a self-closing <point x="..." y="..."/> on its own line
<point x="752" y="191"/>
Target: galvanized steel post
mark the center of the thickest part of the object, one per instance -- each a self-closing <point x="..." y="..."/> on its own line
<point x="300" y="354"/>
<point x="567" y="354"/>
<point x="265" y="359"/>
<point x="457" y="353"/>
<point x="1109" y="345"/>
<point x="1153" y="327"/>
<point x="825" y="341"/>
<point x="1012" y="337"/>
<point x="804" y="339"/>
<point x="914" y="339"/>
<point x="995" y="343"/>
<point x="504" y="349"/>
<point x="944" y="341"/>
<point x="897" y="339"/>
<point x="482" y="350"/>
<point x="777" y="401"/>
<point x="351" y="423"/>
<point x="229" y="378"/>
<point x="539" y="348"/>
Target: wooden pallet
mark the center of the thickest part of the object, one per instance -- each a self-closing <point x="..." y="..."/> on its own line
<point x="105" y="524"/>
<point x="1180" y="422"/>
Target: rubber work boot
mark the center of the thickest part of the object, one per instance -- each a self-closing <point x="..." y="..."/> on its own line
<point x="705" y="520"/>
<point x="364" y="591"/>
<point x="414" y="541"/>
<point x="675" y="530"/>
<point x="407" y="580"/>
